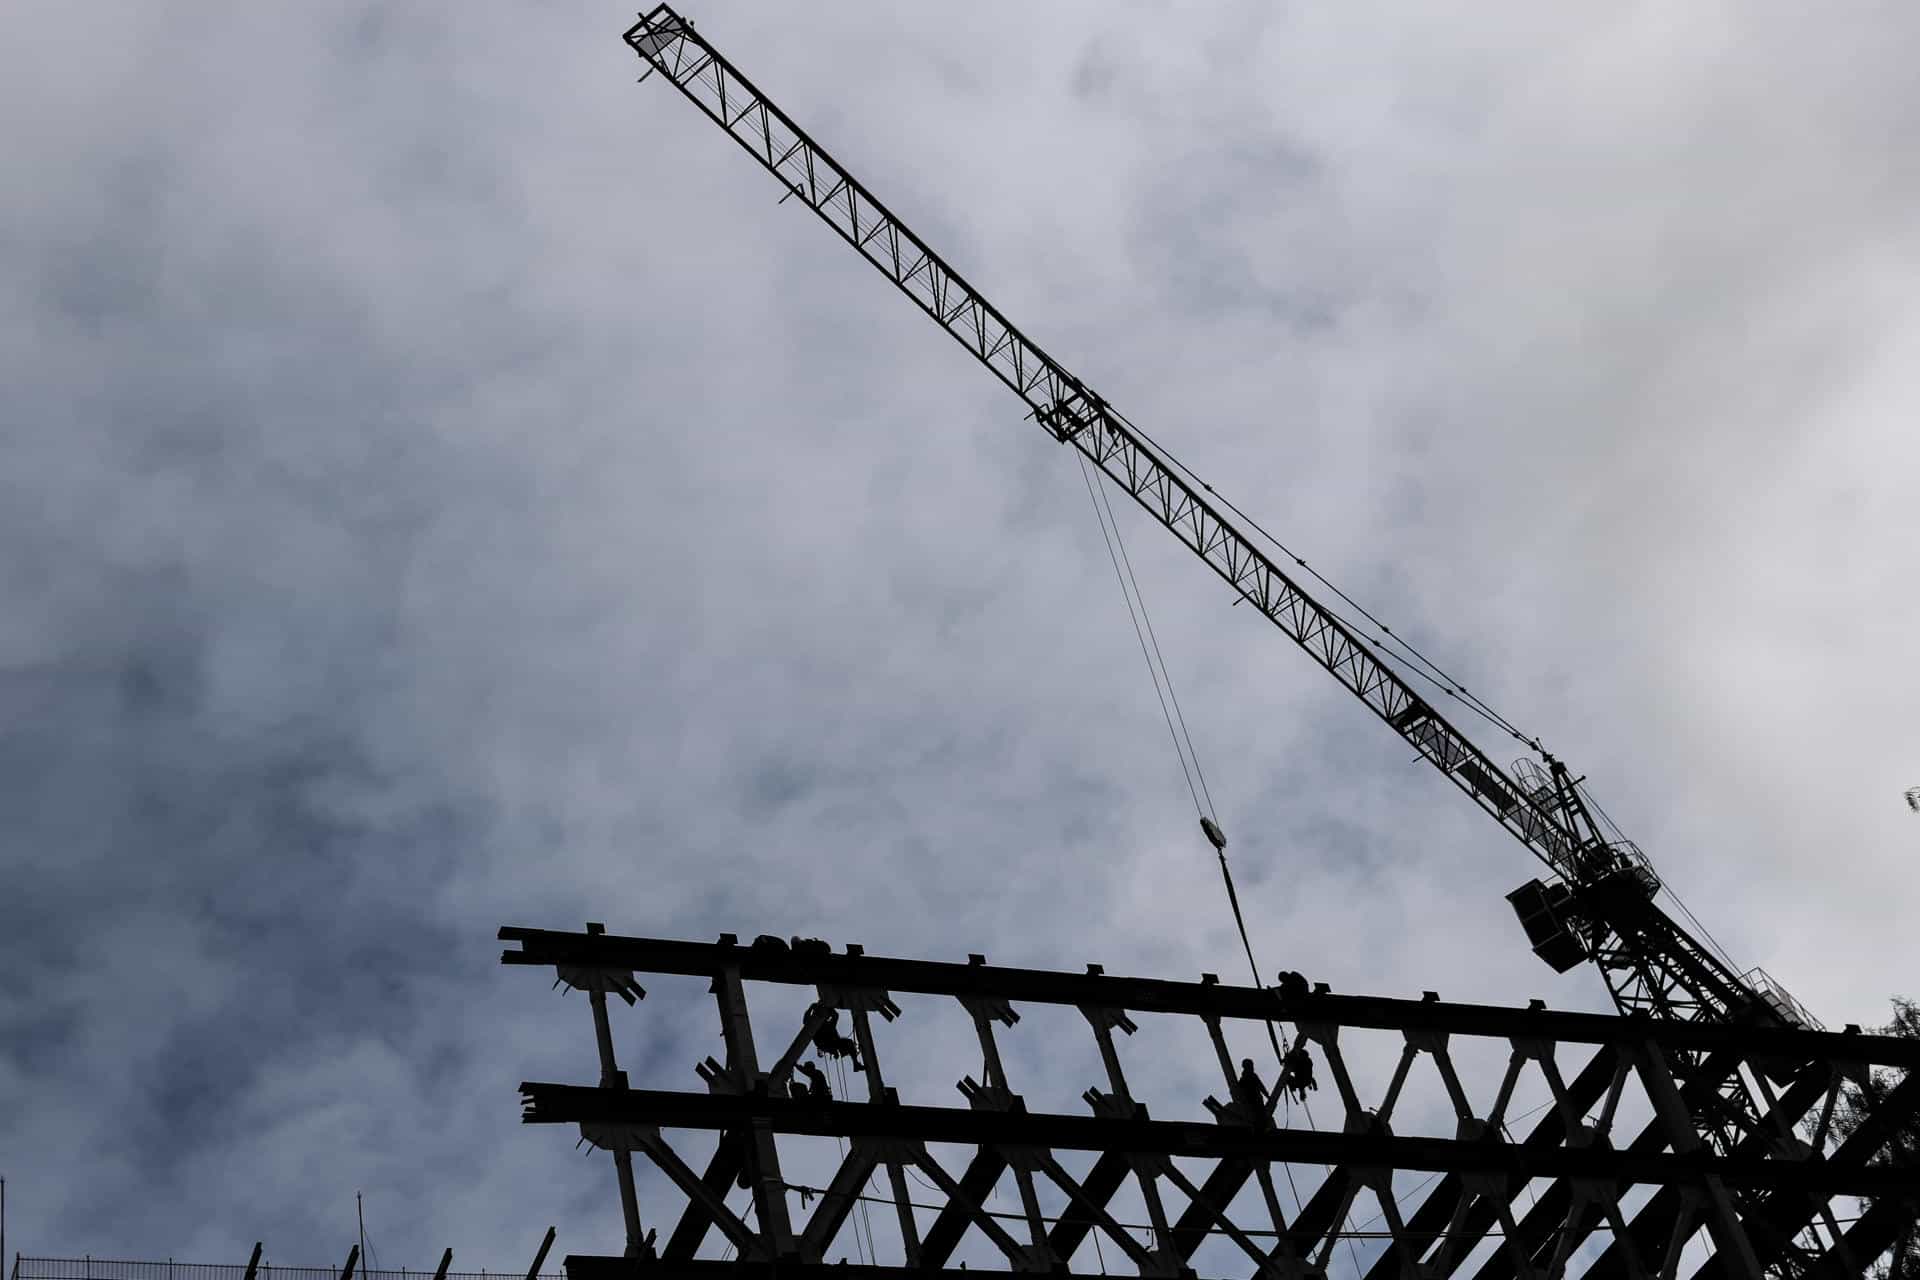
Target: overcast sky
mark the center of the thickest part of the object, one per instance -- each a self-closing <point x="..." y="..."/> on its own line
<point x="442" y="489"/>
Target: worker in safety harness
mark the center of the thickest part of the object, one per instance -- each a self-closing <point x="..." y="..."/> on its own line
<point x="1296" y="1073"/>
<point x="828" y="1042"/>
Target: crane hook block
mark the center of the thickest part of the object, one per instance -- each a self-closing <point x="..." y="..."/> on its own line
<point x="1215" y="836"/>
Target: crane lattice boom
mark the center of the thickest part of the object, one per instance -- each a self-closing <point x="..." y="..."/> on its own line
<point x="1598" y="902"/>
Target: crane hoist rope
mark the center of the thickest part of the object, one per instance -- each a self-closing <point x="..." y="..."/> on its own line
<point x="1157" y="670"/>
<point x="1597" y="900"/>
<point x="1161" y="675"/>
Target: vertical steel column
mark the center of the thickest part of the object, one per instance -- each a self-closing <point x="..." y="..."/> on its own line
<point x="1730" y="1235"/>
<point x="611" y="1077"/>
<point x="763" y="1159"/>
<point x="1263" y="1170"/>
<point x="1103" y="1021"/>
<point x="985" y="1012"/>
<point x="896" y="1173"/>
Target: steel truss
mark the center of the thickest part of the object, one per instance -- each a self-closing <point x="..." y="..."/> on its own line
<point x="1567" y="1198"/>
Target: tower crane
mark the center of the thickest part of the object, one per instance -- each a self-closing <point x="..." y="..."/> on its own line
<point x="1596" y="897"/>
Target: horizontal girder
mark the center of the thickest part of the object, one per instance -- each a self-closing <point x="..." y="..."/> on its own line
<point x="579" y="1104"/>
<point x="783" y="964"/>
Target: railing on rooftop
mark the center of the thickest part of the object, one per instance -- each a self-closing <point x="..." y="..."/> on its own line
<point x="25" y="1268"/>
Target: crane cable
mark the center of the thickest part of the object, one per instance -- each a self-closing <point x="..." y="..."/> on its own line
<point x="1183" y="740"/>
<point x="1413" y="662"/>
<point x="1170" y="710"/>
<point x="866" y="1222"/>
<point x="1149" y="647"/>
<point x="1183" y="748"/>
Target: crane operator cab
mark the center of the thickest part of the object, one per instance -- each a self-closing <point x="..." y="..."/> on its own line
<point x="1545" y="913"/>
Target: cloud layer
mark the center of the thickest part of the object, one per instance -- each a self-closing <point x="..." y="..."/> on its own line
<point x="442" y="489"/>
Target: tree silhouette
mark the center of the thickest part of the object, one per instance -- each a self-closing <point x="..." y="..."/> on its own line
<point x="1858" y="1100"/>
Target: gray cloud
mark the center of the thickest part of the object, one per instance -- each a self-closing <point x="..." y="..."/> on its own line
<point x="443" y="489"/>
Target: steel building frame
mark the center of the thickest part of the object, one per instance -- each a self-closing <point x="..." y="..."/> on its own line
<point x="1660" y="1204"/>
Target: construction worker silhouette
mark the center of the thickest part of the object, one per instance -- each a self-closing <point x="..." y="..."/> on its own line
<point x="816" y="1082"/>
<point x="828" y="1041"/>
<point x="1252" y="1092"/>
<point x="1296" y="1072"/>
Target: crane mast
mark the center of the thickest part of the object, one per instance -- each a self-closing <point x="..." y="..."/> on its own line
<point x="1596" y="900"/>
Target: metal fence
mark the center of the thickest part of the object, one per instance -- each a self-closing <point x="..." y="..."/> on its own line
<point x="111" y="1269"/>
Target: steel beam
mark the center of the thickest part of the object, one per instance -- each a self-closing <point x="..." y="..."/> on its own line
<point x="542" y="947"/>
<point x="581" y="1104"/>
<point x="1784" y="1212"/>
